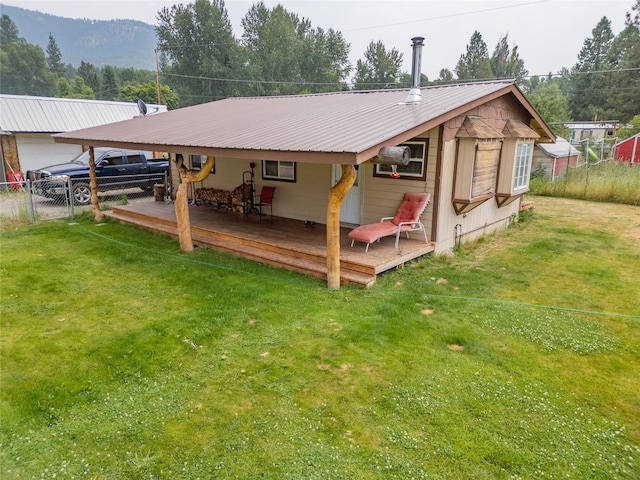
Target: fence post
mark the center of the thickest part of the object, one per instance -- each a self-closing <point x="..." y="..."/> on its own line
<point x="69" y="199"/>
<point x="32" y="213"/>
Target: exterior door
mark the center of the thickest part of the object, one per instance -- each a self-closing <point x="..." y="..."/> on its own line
<point x="352" y="203"/>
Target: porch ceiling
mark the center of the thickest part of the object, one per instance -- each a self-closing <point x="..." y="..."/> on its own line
<point x="342" y="127"/>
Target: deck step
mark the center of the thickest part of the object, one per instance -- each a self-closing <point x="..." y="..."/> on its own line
<point x="248" y="250"/>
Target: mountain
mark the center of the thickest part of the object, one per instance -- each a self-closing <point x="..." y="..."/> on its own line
<point x="121" y="43"/>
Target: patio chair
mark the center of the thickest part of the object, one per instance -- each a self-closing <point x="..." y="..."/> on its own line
<point x="406" y="219"/>
<point x="265" y="200"/>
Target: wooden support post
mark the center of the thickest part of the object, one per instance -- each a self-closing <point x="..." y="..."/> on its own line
<point x="336" y="195"/>
<point x="98" y="216"/>
<point x="181" y="203"/>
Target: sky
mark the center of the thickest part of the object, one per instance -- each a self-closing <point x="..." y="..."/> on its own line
<point x="548" y="33"/>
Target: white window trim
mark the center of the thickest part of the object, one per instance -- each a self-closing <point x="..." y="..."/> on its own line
<point x="405" y="172"/>
<point x="286" y="171"/>
<point x="522" y="167"/>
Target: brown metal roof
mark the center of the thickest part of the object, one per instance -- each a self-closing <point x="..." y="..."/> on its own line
<point x="342" y="127"/>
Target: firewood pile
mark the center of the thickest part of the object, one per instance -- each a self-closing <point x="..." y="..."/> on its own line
<point x="233" y="201"/>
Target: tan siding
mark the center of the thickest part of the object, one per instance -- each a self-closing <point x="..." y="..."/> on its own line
<point x="382" y="196"/>
<point x="487" y="217"/>
<point x="305" y="199"/>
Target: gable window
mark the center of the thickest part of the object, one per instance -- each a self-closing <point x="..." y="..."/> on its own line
<point x="279" y="170"/>
<point x="523" y="166"/>
<point x="417" y="167"/>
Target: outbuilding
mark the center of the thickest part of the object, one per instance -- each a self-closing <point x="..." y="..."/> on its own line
<point x="553" y="159"/>
<point x="27" y="123"/>
<point x="628" y="150"/>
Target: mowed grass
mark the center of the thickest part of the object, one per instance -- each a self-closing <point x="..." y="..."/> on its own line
<point x="124" y="358"/>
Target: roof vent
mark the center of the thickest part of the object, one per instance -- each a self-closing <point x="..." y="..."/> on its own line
<point x="415" y="96"/>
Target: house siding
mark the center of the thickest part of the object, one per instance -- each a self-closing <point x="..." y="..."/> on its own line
<point x="304" y="199"/>
<point x="382" y="195"/>
<point x="487" y="217"/>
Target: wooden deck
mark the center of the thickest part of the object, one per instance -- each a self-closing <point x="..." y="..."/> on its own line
<point x="280" y="242"/>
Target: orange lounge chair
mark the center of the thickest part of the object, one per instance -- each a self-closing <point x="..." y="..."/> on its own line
<point x="406" y="219"/>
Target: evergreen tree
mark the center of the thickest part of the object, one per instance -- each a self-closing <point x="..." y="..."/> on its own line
<point x="624" y="84"/>
<point x="9" y="33"/>
<point x="54" y="58"/>
<point x="23" y="65"/>
<point x="379" y="69"/>
<point x="110" y="83"/>
<point x="90" y="75"/>
<point x="475" y="64"/>
<point x="588" y="97"/>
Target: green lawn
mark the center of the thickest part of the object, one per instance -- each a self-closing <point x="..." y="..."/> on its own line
<point x="517" y="358"/>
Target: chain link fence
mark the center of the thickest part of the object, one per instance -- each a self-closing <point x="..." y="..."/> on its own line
<point x="41" y="200"/>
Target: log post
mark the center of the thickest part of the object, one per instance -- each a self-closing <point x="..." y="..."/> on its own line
<point x="181" y="203"/>
<point x="336" y="195"/>
<point x="98" y="216"/>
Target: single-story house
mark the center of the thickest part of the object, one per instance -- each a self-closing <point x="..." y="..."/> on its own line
<point x="592" y="130"/>
<point x="27" y="123"/>
<point x="470" y="146"/>
<point x="628" y="150"/>
<point x="554" y="158"/>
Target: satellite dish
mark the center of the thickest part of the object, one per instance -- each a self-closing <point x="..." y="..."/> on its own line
<point x="142" y="107"/>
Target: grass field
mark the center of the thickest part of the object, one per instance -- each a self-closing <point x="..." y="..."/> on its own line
<point x="517" y="358"/>
<point x="609" y="181"/>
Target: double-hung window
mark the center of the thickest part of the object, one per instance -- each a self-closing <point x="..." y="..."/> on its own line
<point x="524" y="154"/>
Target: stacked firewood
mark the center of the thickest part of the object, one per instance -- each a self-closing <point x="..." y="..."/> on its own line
<point x="235" y="200"/>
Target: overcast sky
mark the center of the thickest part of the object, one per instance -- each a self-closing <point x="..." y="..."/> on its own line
<point x="549" y="33"/>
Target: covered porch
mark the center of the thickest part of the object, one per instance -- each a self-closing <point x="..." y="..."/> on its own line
<point x="277" y="241"/>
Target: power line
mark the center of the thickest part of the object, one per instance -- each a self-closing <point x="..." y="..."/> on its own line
<point x="302" y="82"/>
<point x="447" y="16"/>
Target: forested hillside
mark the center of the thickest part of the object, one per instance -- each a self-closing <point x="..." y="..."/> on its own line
<point x="125" y="43"/>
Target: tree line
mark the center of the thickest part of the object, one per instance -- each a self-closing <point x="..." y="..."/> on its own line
<point x="280" y="53"/>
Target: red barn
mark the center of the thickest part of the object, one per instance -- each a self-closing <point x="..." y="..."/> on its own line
<point x="628" y="150"/>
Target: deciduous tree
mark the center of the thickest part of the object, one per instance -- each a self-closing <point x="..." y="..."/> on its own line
<point x="149" y="94"/>
<point x="379" y="69"/>
<point x="506" y="62"/>
<point x="200" y="53"/>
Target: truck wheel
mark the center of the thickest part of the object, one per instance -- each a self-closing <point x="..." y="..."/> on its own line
<point x="82" y="194"/>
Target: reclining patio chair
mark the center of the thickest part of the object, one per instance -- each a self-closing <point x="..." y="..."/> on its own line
<point x="406" y="219"/>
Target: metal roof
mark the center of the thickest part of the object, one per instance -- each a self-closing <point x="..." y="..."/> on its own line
<point x="340" y="127"/>
<point x="27" y="114"/>
<point x="561" y="148"/>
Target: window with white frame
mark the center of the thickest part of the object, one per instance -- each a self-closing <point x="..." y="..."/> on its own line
<point x="524" y="154"/>
<point x="417" y="167"/>
<point x="279" y="170"/>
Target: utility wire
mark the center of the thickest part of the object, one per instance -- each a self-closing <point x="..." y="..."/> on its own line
<point x="365" y="292"/>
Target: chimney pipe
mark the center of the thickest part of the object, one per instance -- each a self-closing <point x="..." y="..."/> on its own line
<point x="415" y="96"/>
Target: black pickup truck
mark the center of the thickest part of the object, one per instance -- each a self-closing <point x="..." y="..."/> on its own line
<point x="116" y="168"/>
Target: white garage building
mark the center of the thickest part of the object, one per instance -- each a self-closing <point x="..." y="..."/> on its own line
<point x="27" y="123"/>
